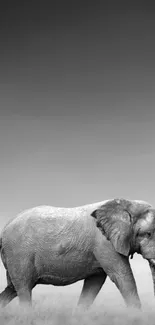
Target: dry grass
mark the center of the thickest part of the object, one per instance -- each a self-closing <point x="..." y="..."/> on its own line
<point x="61" y="311"/>
<point x="59" y="308"/>
<point x="56" y="305"/>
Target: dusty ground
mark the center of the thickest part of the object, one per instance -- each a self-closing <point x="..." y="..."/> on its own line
<point x="56" y="305"/>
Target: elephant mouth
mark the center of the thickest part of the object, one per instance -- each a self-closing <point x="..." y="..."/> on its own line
<point x="148" y="256"/>
<point x="152" y="261"/>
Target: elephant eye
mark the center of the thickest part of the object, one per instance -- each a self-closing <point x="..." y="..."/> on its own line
<point x="148" y="234"/>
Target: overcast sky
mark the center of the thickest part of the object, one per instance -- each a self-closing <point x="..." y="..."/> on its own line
<point x="77" y="97"/>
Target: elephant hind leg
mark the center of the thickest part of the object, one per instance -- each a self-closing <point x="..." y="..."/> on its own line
<point x="9" y="293"/>
<point x="91" y="288"/>
<point x="25" y="296"/>
<point x="24" y="278"/>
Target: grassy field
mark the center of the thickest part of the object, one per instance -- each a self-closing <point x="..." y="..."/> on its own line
<point x="61" y="312"/>
<point x="56" y="305"/>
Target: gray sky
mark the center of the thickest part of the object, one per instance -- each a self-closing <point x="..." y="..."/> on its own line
<point x="77" y="118"/>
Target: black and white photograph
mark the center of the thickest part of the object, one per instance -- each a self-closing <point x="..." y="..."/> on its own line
<point x="77" y="162"/>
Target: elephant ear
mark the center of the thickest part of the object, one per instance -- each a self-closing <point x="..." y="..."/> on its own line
<point x="114" y="221"/>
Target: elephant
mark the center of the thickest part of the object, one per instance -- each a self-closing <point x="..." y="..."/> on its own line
<point x="60" y="246"/>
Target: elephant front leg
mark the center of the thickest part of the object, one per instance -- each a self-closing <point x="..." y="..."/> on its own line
<point x="91" y="288"/>
<point x="127" y="287"/>
<point x="118" y="269"/>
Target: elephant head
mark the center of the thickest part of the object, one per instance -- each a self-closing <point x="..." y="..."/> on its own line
<point x="130" y="227"/>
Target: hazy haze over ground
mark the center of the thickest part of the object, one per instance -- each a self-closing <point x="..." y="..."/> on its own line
<point x="77" y="117"/>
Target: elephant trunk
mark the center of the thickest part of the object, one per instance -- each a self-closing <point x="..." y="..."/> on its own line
<point x="152" y="267"/>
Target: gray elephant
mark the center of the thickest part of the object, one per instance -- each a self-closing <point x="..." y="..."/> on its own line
<point x="60" y="246"/>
